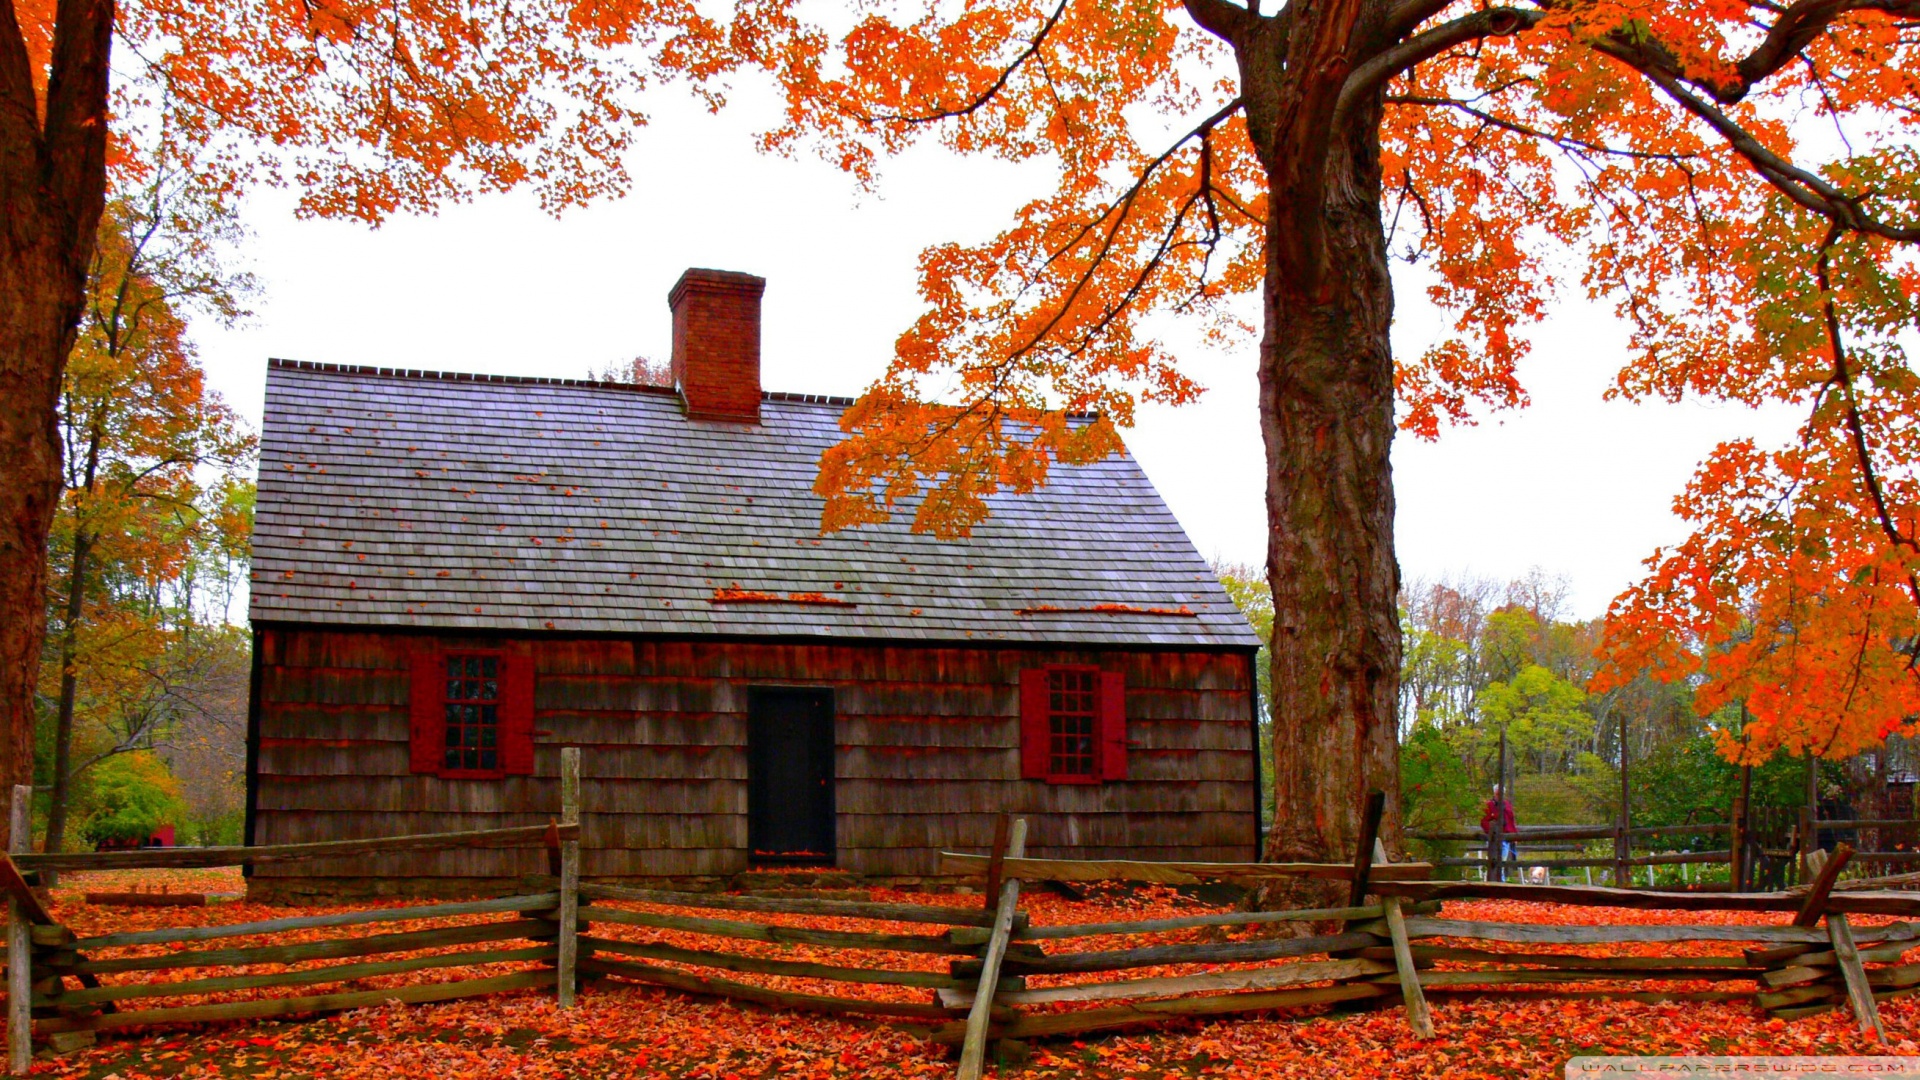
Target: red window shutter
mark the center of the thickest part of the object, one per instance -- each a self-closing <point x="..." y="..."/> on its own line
<point x="1113" y="726"/>
<point x="516" y="714"/>
<point x="1033" y="724"/>
<point x="427" y="727"/>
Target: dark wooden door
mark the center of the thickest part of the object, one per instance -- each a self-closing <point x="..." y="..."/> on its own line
<point x="790" y="775"/>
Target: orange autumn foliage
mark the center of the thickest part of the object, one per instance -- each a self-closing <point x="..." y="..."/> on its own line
<point x="1739" y="181"/>
<point x="373" y="109"/>
<point x="365" y="109"/>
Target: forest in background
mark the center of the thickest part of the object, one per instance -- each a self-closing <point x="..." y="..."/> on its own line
<point x="1482" y="656"/>
<point x="142" y="701"/>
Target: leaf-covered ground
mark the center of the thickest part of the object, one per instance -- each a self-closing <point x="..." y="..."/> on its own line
<point x="622" y="1030"/>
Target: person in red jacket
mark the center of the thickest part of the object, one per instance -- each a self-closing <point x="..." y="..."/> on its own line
<point x="1499" y="810"/>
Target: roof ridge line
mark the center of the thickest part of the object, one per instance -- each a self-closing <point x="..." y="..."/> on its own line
<point x="459" y="376"/>
<point x="791" y="397"/>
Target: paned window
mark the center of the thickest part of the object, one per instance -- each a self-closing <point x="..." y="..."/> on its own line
<point x="1073" y="714"/>
<point x="472" y="712"/>
<point x="471" y="705"/>
<point x="1073" y="724"/>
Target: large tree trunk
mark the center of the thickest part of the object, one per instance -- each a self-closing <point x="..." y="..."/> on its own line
<point x="1326" y="413"/>
<point x="39" y="307"/>
<point x="52" y="190"/>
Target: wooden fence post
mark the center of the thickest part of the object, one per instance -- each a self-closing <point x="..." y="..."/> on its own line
<point x="569" y="952"/>
<point x="973" y="1049"/>
<point x="1859" y="993"/>
<point x="1363" y="848"/>
<point x="1419" y="1017"/>
<point x="1809" y="842"/>
<point x="1743" y="847"/>
<point x="1494" y="843"/>
<point x="19" y="945"/>
<point x="1736" y="843"/>
<point x="1825" y="870"/>
<point x="995" y="860"/>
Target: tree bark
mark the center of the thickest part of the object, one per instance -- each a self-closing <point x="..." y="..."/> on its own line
<point x="32" y="357"/>
<point x="1326" y="394"/>
<point x="52" y="191"/>
<point x="1326" y="414"/>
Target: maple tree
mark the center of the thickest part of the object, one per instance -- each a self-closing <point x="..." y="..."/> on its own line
<point x="1737" y="178"/>
<point x="1757" y="255"/>
<point x="371" y="109"/>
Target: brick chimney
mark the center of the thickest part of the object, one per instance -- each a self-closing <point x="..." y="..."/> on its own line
<point x="716" y="344"/>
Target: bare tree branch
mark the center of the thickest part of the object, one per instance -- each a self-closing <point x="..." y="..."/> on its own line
<point x="19" y="109"/>
<point x="1856" y="427"/>
<point x="1117" y="213"/>
<point x="1383" y="66"/>
<point x="999" y="83"/>
<point x="1797" y="28"/>
<point x="1564" y="142"/>
<point x="1407" y="16"/>
<point x="76" y="115"/>
<point x="1803" y="187"/>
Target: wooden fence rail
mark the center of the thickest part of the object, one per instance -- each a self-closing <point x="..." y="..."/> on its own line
<point x="201" y="858"/>
<point x="1504" y="852"/>
<point x="1391" y="944"/>
<point x="607" y="956"/>
<point x="43" y="957"/>
<point x="1795" y="967"/>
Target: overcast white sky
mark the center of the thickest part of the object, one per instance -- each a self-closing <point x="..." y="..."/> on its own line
<point x="1573" y="485"/>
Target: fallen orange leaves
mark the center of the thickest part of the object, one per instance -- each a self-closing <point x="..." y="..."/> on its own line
<point x="737" y="595"/>
<point x="627" y="1031"/>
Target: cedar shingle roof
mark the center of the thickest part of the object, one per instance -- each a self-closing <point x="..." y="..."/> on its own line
<point x="392" y="498"/>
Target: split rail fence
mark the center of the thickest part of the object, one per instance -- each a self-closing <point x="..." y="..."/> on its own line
<point x="530" y="943"/>
<point x="970" y="975"/>
<point x="1813" y="963"/>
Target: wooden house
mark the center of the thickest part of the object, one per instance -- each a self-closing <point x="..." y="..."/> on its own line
<point x="455" y="576"/>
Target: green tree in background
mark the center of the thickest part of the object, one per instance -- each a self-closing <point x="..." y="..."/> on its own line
<point x="1436" y="789"/>
<point x="1482" y="657"/>
<point x="133" y="794"/>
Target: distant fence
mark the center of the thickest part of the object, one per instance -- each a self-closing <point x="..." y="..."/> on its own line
<point x="1763" y="852"/>
<point x="1775" y="841"/>
<point x="1530" y="840"/>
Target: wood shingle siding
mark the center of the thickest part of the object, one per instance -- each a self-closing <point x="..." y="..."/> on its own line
<point x="926" y="753"/>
